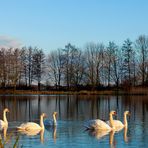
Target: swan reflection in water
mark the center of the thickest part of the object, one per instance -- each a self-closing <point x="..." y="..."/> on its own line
<point x="125" y="135"/>
<point x="51" y="125"/>
<point x="99" y="134"/>
<point x="111" y="139"/>
<point x="4" y="130"/>
<point x="5" y="133"/>
<point x="54" y="134"/>
<point x="34" y="133"/>
<point x="52" y="130"/>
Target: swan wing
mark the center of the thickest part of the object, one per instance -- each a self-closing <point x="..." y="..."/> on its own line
<point x="102" y="125"/>
<point x="32" y="132"/>
<point x="108" y="123"/>
<point x="2" y="123"/>
<point x="29" y="126"/>
<point x="117" y="124"/>
<point x="97" y="125"/>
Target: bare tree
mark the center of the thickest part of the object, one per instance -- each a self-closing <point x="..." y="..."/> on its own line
<point x="23" y="56"/>
<point x="55" y="65"/>
<point x="128" y="61"/>
<point x="94" y="61"/>
<point x="117" y="66"/>
<point x="68" y="69"/>
<point x="16" y="67"/>
<point x="3" y="72"/>
<point x="30" y="65"/>
<point x="38" y="65"/>
<point x="78" y="68"/>
<point x="111" y="63"/>
<point x="10" y="67"/>
<point x="142" y="46"/>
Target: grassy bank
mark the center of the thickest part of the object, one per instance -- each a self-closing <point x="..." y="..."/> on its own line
<point x="132" y="91"/>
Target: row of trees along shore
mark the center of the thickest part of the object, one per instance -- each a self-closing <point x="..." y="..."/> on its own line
<point x="94" y="67"/>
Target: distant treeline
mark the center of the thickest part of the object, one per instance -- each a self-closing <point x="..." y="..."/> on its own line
<point x="94" y="67"/>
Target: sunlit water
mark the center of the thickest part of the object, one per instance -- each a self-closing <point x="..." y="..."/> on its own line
<point x="72" y="112"/>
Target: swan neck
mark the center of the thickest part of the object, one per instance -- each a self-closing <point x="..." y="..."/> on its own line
<point x="41" y="122"/>
<point x="54" y="120"/>
<point x="111" y="120"/>
<point x="125" y="121"/>
<point x="4" y="117"/>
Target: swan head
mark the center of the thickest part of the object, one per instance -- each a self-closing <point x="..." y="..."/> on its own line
<point x="54" y="114"/>
<point x="6" y="110"/>
<point x="43" y="115"/>
<point x="127" y="113"/>
<point x="113" y="113"/>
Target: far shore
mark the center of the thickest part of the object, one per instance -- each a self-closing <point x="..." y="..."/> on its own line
<point x="132" y="91"/>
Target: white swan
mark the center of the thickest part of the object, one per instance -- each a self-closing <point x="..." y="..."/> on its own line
<point x="30" y="126"/>
<point x="52" y="122"/>
<point x="99" y="124"/>
<point x="118" y="124"/>
<point x="4" y="122"/>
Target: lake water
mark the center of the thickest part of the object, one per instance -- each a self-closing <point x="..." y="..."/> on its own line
<point x="72" y="112"/>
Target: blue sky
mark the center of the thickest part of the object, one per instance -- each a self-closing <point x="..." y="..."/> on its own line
<point x="50" y="24"/>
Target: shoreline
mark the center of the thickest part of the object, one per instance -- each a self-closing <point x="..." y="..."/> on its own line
<point x="132" y="91"/>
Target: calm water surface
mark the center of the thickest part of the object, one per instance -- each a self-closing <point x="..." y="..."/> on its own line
<point x="72" y="112"/>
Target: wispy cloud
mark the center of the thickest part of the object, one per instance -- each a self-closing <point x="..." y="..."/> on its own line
<point x="9" y="42"/>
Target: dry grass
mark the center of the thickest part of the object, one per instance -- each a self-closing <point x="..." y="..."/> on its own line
<point x="132" y="91"/>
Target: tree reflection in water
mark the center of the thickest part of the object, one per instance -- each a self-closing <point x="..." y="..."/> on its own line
<point x="76" y="108"/>
<point x="73" y="107"/>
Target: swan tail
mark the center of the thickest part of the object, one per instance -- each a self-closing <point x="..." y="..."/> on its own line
<point x="87" y="128"/>
<point x="19" y="128"/>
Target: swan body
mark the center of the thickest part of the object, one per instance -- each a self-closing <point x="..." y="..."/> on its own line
<point x="30" y="132"/>
<point x="52" y="122"/>
<point x="98" y="124"/>
<point x="118" y="124"/>
<point x="4" y="122"/>
<point x="29" y="126"/>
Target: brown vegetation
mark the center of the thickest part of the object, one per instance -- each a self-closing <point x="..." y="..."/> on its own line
<point x="131" y="91"/>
